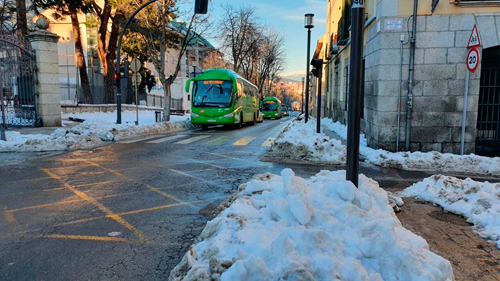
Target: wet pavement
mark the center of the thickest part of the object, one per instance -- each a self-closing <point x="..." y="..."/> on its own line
<point x="130" y="210"/>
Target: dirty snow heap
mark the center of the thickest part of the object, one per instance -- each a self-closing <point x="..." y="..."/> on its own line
<point x="479" y="202"/>
<point x="323" y="228"/>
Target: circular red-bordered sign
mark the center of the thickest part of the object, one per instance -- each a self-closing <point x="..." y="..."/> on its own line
<point x="472" y="60"/>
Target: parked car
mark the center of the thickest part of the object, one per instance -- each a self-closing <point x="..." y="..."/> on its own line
<point x="284" y="111"/>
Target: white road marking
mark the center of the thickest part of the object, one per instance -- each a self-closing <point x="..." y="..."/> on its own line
<point x="140" y="139"/>
<point x="268" y="142"/>
<point x="167" y="139"/>
<point x="188" y="141"/>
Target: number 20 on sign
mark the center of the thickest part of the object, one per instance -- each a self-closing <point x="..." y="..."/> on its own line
<point x="472" y="59"/>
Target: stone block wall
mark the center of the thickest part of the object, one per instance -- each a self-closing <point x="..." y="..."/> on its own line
<point x="439" y="81"/>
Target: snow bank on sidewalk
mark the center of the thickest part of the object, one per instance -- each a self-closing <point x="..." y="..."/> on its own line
<point x="98" y="128"/>
<point x="300" y="141"/>
<point x="146" y="117"/>
<point x="433" y="161"/>
<point x="479" y="202"/>
<point x="59" y="140"/>
<point x="323" y="228"/>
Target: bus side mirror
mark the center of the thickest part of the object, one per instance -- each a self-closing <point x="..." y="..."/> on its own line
<point x="188" y="83"/>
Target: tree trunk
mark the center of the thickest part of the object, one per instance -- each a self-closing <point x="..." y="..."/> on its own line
<point x="21" y="21"/>
<point x="111" y="63"/>
<point x="166" y="105"/>
<point x="80" y="60"/>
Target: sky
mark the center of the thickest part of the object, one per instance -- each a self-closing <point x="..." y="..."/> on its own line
<point x="287" y="17"/>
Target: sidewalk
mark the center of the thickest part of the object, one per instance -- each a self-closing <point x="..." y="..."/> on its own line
<point x="448" y="235"/>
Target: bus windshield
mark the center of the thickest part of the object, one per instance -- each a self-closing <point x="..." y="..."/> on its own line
<point x="269" y="106"/>
<point x="213" y="93"/>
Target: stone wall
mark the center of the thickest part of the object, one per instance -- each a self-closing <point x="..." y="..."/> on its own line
<point x="438" y="82"/>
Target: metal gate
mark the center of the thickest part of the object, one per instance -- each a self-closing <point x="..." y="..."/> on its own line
<point x="488" y="118"/>
<point x="17" y="81"/>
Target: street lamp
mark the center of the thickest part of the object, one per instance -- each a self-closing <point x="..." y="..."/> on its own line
<point x="308" y="23"/>
<point x="355" y="87"/>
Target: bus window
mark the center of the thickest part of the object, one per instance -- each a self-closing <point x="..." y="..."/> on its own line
<point x="213" y="93"/>
<point x="269" y="106"/>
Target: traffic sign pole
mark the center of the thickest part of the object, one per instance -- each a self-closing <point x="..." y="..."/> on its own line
<point x="471" y="63"/>
<point x="464" y="113"/>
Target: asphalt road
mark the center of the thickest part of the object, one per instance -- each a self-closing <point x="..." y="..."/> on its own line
<point x="126" y="211"/>
<point x="130" y="210"/>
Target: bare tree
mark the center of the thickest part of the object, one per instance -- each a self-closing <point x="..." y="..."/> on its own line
<point x="215" y="59"/>
<point x="63" y="9"/>
<point x="7" y="15"/>
<point x="110" y="14"/>
<point x="256" y="51"/>
<point x="240" y="31"/>
<point x="160" y="31"/>
<point x="21" y="20"/>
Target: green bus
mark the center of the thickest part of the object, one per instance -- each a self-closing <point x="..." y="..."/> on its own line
<point x="222" y="97"/>
<point x="271" y="108"/>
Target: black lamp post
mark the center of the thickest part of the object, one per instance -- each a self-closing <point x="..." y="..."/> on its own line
<point x="355" y="86"/>
<point x="302" y="96"/>
<point x="308" y="23"/>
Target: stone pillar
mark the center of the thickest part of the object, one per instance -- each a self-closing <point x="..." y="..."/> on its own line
<point x="47" y="63"/>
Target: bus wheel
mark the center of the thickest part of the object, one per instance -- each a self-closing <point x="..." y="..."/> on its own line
<point x="253" y="121"/>
<point x="240" y="124"/>
<point x="204" y="127"/>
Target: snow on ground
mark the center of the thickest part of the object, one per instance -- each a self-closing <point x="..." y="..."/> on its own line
<point x="479" y="202"/>
<point x="322" y="228"/>
<point x="146" y="117"/>
<point x="300" y="141"/>
<point x="434" y="161"/>
<point x="98" y="127"/>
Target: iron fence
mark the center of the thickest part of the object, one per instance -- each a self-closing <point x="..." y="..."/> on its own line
<point x="17" y="82"/>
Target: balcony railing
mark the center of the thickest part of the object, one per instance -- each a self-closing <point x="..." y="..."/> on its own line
<point x="477" y="2"/>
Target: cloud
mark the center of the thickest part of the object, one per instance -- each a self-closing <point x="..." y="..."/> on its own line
<point x="300" y="18"/>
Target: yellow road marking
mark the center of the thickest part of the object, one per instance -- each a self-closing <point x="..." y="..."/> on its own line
<point x="244" y="141"/>
<point x="100" y="206"/>
<point x="162" y="207"/>
<point x="268" y="142"/>
<point x="193" y="139"/>
<point x="66" y="202"/>
<point x="92" y="184"/>
<point x="85" y="237"/>
<point x="152" y="209"/>
<point x="167" y="139"/>
<point x="151" y="188"/>
<point x="8" y="216"/>
<point x="218" y="140"/>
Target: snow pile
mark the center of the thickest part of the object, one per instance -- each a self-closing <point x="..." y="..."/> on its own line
<point x="300" y="141"/>
<point x="98" y="127"/>
<point x="59" y="140"/>
<point x="146" y="117"/>
<point x="323" y="228"/>
<point x="479" y="202"/>
<point x="431" y="161"/>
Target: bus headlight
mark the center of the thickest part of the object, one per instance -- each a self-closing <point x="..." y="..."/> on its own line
<point x="194" y="115"/>
<point x="229" y="115"/>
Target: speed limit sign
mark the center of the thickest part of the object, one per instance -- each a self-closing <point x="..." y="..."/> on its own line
<point x="472" y="59"/>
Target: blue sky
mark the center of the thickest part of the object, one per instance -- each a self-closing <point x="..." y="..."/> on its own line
<point x="287" y="17"/>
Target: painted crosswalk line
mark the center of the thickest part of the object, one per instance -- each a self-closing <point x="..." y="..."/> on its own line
<point x="218" y="140"/>
<point x="140" y="139"/>
<point x="167" y="139"/>
<point x="190" y="140"/>
<point x="244" y="141"/>
<point x="268" y="142"/>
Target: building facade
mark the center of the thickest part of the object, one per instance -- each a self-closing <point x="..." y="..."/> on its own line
<point x="430" y="109"/>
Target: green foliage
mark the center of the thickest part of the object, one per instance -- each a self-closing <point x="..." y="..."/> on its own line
<point x="64" y="8"/>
